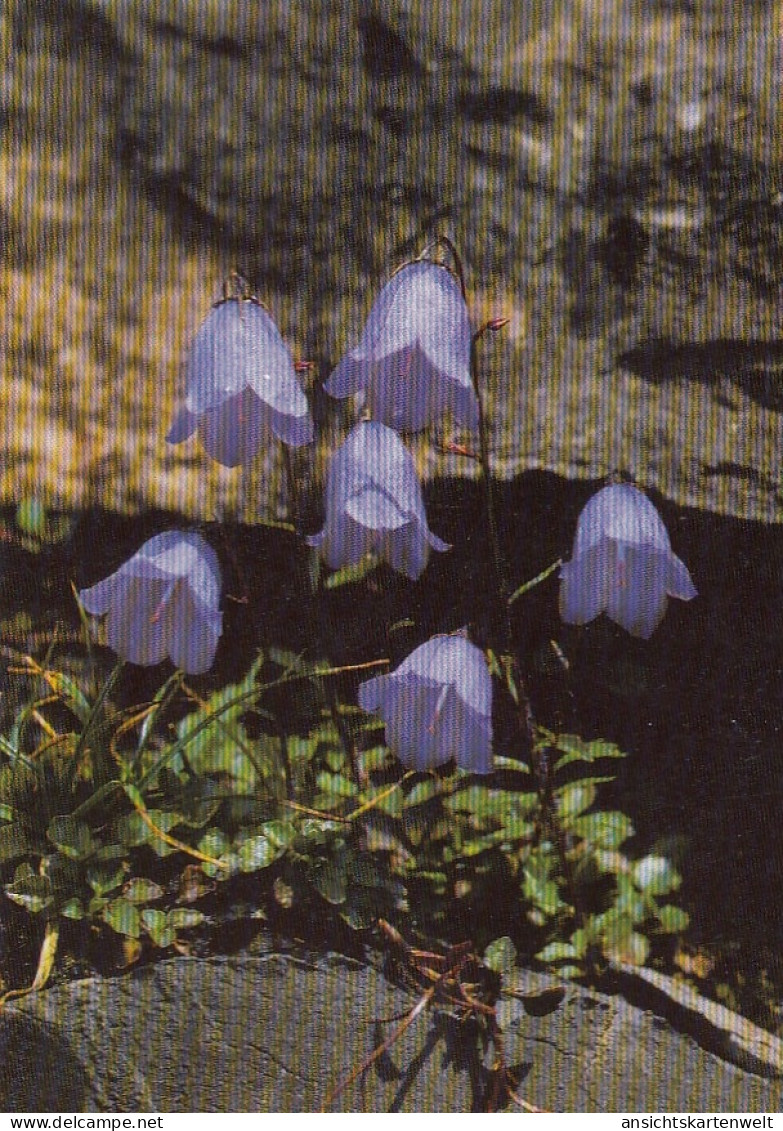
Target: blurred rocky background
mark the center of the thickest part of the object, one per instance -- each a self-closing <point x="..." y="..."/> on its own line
<point x="611" y="174"/>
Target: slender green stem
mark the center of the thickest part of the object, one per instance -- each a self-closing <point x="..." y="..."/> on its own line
<point x="90" y="724"/>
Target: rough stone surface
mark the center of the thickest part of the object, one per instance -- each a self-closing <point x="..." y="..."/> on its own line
<point x="277" y="1033"/>
<point x="612" y="180"/>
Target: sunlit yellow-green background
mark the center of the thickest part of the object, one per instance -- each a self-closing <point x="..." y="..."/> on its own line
<point x="148" y="149"/>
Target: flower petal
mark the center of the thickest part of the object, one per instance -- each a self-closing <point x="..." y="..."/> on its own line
<point x="98" y="599"/>
<point x="241" y="382"/>
<point x="413" y="357"/>
<point x="623" y="513"/>
<point x="171" y="582"/>
<point x="343" y="542"/>
<point x="463" y="734"/>
<point x="637" y="597"/>
<point x="678" y="580"/>
<point x="437" y="705"/>
<point x="233" y="432"/>
<point x="194" y="634"/>
<point x="374" y="502"/>
<point x="185" y="424"/>
<point x="376" y="510"/>
<point x="585" y="582"/>
<point x="137" y="628"/>
<point x="410" y="717"/>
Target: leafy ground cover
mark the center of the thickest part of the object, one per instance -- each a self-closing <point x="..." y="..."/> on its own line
<point x="146" y="812"/>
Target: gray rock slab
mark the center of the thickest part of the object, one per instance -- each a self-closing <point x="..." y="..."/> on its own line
<point x="278" y="1033"/>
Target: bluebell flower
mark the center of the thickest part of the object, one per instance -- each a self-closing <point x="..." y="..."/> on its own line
<point x="241" y="385"/>
<point x="374" y="504"/>
<point x="437" y="705"/>
<point x="163" y="602"/>
<point x="622" y="564"/>
<point x="412" y="362"/>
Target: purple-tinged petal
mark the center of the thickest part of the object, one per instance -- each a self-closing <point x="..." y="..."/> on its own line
<point x="185" y="424"/>
<point x="461" y="733"/>
<point x="413" y="358"/>
<point x="406" y="550"/>
<point x="233" y="433"/>
<point x="622" y="564"/>
<point x="437" y="705"/>
<point x="409" y="730"/>
<point x="163" y="601"/>
<point x="137" y="628"/>
<point x="475" y="751"/>
<point x="343" y="542"/>
<point x="374" y="503"/>
<point x="241" y="384"/>
<point x="98" y="599"/>
<point x="372" y="693"/>
<point x="376" y="510"/>
<point x="637" y="599"/>
<point x="678" y="580"/>
<point x="623" y="513"/>
<point x="194" y="633"/>
<point x="585" y="582"/>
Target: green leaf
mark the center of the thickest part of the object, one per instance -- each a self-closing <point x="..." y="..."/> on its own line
<point x="181" y="918"/>
<point x="390" y="801"/>
<point x="336" y="785"/>
<point x="628" y="901"/>
<point x="350" y="574"/>
<point x="574" y="798"/>
<point x="73" y="838"/>
<point x="423" y="792"/>
<point x="157" y="927"/>
<point x="542" y="893"/>
<point x="500" y="955"/>
<point x="656" y="875"/>
<point x="133" y="831"/>
<point x="71" y="694"/>
<point x="557" y="952"/>
<point x="376" y="758"/>
<point x="123" y="917"/>
<point x="31" y="517"/>
<point x="672" y="920"/>
<point x="628" y="946"/>
<point x="512" y="765"/>
<point x="7" y="813"/>
<point x="580" y="940"/>
<point x="331" y="880"/>
<point x="214" y="843"/>
<point x="215" y="741"/>
<point x="104" y="880"/>
<point x="29" y="890"/>
<point x="72" y="909"/>
<point x="280" y="833"/>
<point x="616" y="929"/>
<point x="255" y="853"/>
<point x="571" y="748"/>
<point x="606" y="830"/>
<point x="14" y="842"/>
<point x="527" y="585"/>
<point x="142" y="891"/>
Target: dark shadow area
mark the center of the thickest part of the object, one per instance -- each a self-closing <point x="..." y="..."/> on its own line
<point x="754" y="367"/>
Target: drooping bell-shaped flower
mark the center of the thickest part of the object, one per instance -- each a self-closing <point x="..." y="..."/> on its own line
<point x="241" y="385"/>
<point x="437" y="705"/>
<point x="622" y="564"/>
<point x="412" y="362"/>
<point x="163" y="602"/>
<point x="374" y="504"/>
